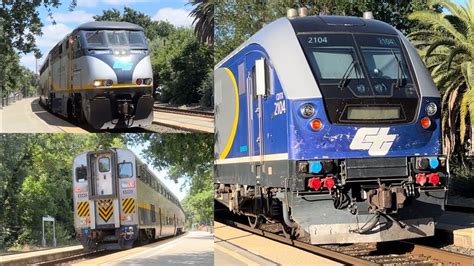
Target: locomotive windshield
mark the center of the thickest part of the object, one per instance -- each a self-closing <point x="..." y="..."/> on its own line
<point x="364" y="76"/>
<point x="111" y="38"/>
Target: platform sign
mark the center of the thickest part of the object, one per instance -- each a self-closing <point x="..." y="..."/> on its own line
<point x="49" y="219"/>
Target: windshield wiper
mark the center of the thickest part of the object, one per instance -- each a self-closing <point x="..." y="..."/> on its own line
<point x="90" y="36"/>
<point x="345" y="77"/>
<point x="400" y="70"/>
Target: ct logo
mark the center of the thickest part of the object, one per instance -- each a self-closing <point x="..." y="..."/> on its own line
<point x="376" y="140"/>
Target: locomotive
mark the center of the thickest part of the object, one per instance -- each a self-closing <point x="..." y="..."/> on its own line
<point x="119" y="202"/>
<point x="100" y="74"/>
<point x="330" y="125"/>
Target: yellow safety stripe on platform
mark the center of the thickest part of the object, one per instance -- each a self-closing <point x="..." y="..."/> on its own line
<point x="106" y="209"/>
<point x="83" y="208"/>
<point x="128" y="205"/>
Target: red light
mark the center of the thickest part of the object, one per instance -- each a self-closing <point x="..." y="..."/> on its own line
<point x="316" y="124"/>
<point x="421" y="179"/>
<point x="139" y="81"/>
<point x="329" y="183"/>
<point x="433" y="179"/>
<point x="77" y="189"/>
<point x="314" y="183"/>
<point x="131" y="183"/>
<point x="425" y="122"/>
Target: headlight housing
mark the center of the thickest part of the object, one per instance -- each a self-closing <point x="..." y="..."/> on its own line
<point x="307" y="110"/>
<point x="431" y="109"/>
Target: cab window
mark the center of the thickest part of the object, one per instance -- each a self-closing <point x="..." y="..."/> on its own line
<point x="81" y="174"/>
<point x="125" y="170"/>
<point x="104" y="164"/>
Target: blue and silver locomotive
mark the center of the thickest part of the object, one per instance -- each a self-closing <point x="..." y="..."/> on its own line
<point x="100" y="74"/>
<point x="331" y="126"/>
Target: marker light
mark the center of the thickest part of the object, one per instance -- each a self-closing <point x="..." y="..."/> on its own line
<point x="423" y="163"/>
<point x="147" y="81"/>
<point x="433" y="179"/>
<point x="316" y="124"/>
<point x="116" y="52"/>
<point x="421" y="179"/>
<point x="329" y="183"/>
<point x="431" y="109"/>
<point x="307" y="110"/>
<point x="139" y="81"/>
<point x="328" y="166"/>
<point x="314" y="183"/>
<point x="425" y="122"/>
<point x="434" y="163"/>
<point x="109" y="82"/>
<point x="315" y="167"/>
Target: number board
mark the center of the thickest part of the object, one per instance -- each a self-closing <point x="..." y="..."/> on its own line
<point x="321" y="40"/>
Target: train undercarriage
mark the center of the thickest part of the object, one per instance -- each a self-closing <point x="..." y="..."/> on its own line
<point x="328" y="211"/>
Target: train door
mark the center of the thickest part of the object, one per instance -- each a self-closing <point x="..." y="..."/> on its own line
<point x="253" y="64"/>
<point x="103" y="187"/>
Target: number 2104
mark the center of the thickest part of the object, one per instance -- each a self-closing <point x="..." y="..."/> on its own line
<point x="317" y="39"/>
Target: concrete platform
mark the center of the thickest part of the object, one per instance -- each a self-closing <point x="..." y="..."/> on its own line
<point x="193" y="123"/>
<point x="457" y="226"/>
<point x="237" y="247"/>
<point x="40" y="256"/>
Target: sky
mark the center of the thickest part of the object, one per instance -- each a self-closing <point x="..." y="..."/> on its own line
<point x="174" y="11"/>
<point x="162" y="175"/>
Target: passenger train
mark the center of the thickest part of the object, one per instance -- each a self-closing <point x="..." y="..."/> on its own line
<point x="119" y="202"/>
<point x="100" y="74"/>
<point x="330" y="125"/>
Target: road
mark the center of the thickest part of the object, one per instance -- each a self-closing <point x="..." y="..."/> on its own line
<point x="194" y="248"/>
<point x="27" y="116"/>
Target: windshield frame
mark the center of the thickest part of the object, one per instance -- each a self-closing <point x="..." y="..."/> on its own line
<point x="107" y="43"/>
<point x="358" y="43"/>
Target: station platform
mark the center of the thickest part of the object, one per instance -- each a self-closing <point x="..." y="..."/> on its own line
<point x="33" y="257"/>
<point x="457" y="226"/>
<point x="233" y="246"/>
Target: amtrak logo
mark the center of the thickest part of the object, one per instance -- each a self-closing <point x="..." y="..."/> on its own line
<point x="376" y="140"/>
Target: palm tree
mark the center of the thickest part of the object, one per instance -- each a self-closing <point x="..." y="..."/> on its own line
<point x="203" y="14"/>
<point x="447" y="47"/>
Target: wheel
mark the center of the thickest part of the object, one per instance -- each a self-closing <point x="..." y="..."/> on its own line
<point x="255" y="221"/>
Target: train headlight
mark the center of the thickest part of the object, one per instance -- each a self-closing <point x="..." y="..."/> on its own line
<point x="103" y="82"/>
<point x="307" y="110"/>
<point x="98" y="83"/>
<point x="431" y="109"/>
<point x="147" y="81"/>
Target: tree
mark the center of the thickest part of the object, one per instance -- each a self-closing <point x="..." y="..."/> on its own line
<point x="188" y="157"/>
<point x="203" y="14"/>
<point x="180" y="65"/>
<point x="152" y="29"/>
<point x="448" y="50"/>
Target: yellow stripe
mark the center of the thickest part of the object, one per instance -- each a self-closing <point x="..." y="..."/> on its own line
<point x="226" y="150"/>
<point x="144" y="206"/>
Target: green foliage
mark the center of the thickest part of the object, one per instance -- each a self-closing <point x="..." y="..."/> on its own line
<point x="447" y="48"/>
<point x="203" y="14"/>
<point x="180" y="65"/>
<point x="36" y="179"/>
<point x="152" y="28"/>
<point x="188" y="157"/>
<point x="238" y="20"/>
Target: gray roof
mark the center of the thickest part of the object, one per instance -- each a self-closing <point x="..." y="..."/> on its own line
<point x="108" y="25"/>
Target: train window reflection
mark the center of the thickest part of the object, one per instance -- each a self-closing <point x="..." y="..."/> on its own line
<point x="327" y="69"/>
<point x="104" y="164"/>
<point x="81" y="174"/>
<point x="384" y="63"/>
<point x="117" y="38"/>
<point x="96" y="38"/>
<point x="135" y="38"/>
<point x="125" y="170"/>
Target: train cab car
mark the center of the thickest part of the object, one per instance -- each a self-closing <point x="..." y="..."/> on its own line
<point x="118" y="202"/>
<point x="100" y="74"/>
<point x="330" y="125"/>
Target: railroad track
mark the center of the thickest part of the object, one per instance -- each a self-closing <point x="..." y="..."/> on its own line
<point x="76" y="258"/>
<point x="387" y="253"/>
<point x="184" y="111"/>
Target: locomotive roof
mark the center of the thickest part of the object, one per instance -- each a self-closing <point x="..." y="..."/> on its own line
<point x="340" y="24"/>
<point x="279" y="39"/>
<point x="109" y="25"/>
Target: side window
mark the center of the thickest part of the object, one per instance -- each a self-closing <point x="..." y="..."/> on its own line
<point x="81" y="174"/>
<point x="268" y="82"/>
<point x="153" y="213"/>
<point x="104" y="164"/>
<point x="125" y="170"/>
